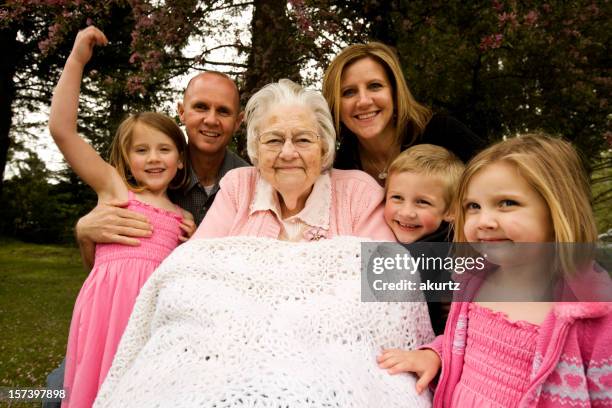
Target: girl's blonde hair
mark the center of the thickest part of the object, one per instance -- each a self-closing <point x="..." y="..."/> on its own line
<point x="410" y="117"/>
<point x="119" y="151"/>
<point x="553" y="168"/>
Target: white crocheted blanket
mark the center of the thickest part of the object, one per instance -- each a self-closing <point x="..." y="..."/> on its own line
<point x="254" y="322"/>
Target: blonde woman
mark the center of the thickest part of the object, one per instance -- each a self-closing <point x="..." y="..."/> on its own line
<point x="376" y="116"/>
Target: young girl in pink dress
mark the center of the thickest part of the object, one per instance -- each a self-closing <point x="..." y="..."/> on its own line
<point x="147" y="157"/>
<point x="527" y="354"/>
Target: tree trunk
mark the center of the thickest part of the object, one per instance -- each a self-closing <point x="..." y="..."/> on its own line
<point x="275" y="51"/>
<point x="8" y="63"/>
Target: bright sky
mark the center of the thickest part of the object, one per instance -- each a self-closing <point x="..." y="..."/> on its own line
<point x="46" y="148"/>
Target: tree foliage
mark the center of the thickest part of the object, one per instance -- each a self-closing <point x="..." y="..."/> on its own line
<point x="501" y="66"/>
<point x="37" y="211"/>
<point x="131" y="74"/>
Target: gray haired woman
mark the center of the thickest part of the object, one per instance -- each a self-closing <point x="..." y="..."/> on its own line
<point x="292" y="193"/>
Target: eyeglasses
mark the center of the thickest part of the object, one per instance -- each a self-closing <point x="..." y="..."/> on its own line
<point x="274" y="140"/>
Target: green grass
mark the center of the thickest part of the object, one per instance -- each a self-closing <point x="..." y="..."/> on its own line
<point x="38" y="287"/>
<point x="601" y="186"/>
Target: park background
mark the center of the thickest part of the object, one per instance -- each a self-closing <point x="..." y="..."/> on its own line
<point x="501" y="67"/>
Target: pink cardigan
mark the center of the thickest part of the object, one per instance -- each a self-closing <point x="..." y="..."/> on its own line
<point x="356" y="208"/>
<point x="573" y="361"/>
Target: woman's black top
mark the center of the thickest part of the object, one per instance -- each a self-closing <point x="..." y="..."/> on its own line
<point x="442" y="130"/>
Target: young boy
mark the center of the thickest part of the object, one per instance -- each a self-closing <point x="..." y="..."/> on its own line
<point x="420" y="186"/>
<point x="419" y="191"/>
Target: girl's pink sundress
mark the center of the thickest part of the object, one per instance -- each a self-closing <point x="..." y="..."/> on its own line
<point x="106" y="300"/>
<point x="498" y="358"/>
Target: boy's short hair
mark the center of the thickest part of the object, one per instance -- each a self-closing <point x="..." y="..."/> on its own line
<point x="430" y="160"/>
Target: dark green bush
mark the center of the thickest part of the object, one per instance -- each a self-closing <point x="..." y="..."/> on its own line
<point x="36" y="209"/>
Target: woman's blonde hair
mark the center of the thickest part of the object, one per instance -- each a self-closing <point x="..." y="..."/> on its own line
<point x="410" y="116"/>
<point x="119" y="151"/>
<point x="554" y="169"/>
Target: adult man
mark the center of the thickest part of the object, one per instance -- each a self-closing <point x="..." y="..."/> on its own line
<point x="210" y="111"/>
<point x="211" y="114"/>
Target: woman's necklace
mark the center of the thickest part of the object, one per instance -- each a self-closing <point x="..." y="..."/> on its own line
<point x="378" y="171"/>
<point x="382" y="174"/>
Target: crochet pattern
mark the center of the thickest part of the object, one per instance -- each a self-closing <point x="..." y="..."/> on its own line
<point x="257" y="322"/>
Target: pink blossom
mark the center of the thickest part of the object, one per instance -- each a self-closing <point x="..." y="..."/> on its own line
<point x="593" y="9"/>
<point x="150" y="65"/>
<point x="333" y="27"/>
<point x="53" y="30"/>
<point x="531" y="18"/>
<point x="144" y="21"/>
<point x="304" y="26"/>
<point x="491" y="42"/>
<point x="571" y="32"/>
<point x="135" y="84"/>
<point x="153" y="54"/>
<point x="608" y="137"/>
<point x="507" y="18"/>
<point x="134" y="57"/>
<point x="89" y="21"/>
<point x="44" y="46"/>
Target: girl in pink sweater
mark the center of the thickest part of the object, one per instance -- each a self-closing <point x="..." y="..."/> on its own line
<point x="510" y="354"/>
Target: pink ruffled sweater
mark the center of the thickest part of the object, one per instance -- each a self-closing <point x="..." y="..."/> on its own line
<point x="355" y="208"/>
<point x="572" y="365"/>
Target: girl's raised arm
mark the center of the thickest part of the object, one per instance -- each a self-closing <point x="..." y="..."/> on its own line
<point x="83" y="159"/>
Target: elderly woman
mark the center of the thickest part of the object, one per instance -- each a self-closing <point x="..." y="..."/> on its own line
<point x="292" y="193"/>
<point x="264" y="312"/>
